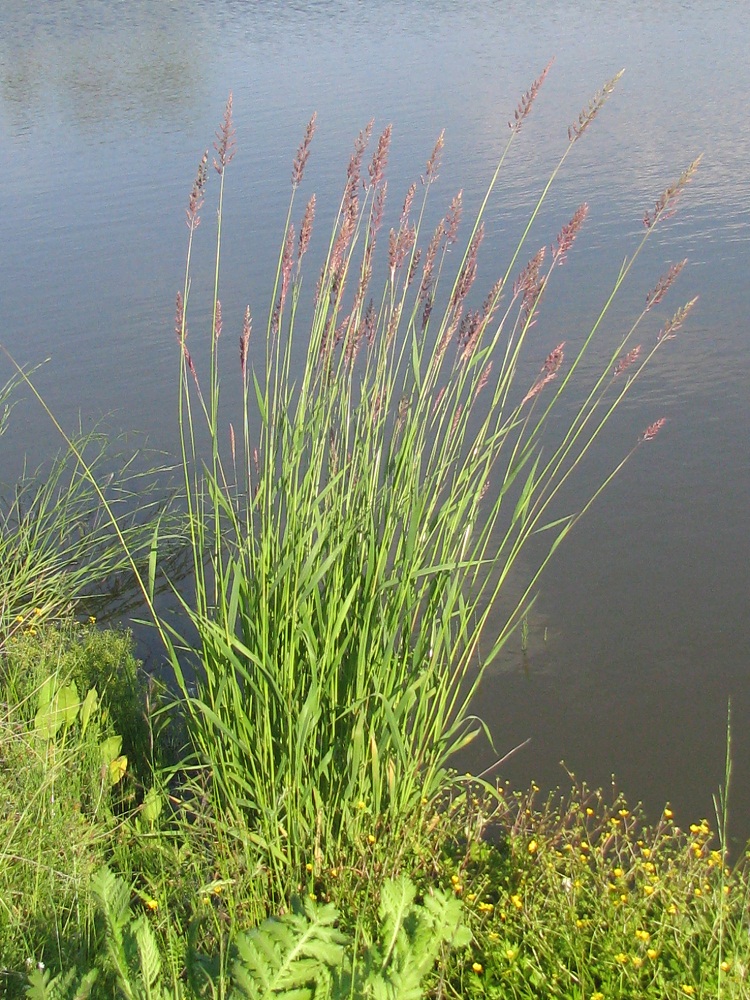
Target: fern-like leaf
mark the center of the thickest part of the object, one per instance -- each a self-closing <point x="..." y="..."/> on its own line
<point x="289" y="957"/>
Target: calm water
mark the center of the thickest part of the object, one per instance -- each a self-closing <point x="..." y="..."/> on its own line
<point x="641" y="633"/>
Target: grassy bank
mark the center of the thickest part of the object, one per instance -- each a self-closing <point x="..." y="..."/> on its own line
<point x="286" y="822"/>
<point x="113" y="862"/>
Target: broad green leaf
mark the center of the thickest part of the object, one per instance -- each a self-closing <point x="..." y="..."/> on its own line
<point x="110" y="748"/>
<point x="117" y="769"/>
<point x="89" y="706"/>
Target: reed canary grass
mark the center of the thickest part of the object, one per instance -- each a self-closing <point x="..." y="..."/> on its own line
<point x="348" y="563"/>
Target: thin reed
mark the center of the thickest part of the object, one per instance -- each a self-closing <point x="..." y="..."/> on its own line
<point x="349" y="555"/>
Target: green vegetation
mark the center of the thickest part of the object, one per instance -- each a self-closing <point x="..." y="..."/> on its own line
<point x="286" y="822"/>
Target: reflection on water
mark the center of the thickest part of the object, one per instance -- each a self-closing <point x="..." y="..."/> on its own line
<point x="104" y="111"/>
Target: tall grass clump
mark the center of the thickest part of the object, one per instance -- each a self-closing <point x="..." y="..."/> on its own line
<point x="356" y="524"/>
<point x="58" y="550"/>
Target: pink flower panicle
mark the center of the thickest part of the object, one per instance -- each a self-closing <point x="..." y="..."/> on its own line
<point x="468" y="334"/>
<point x="303" y="153"/>
<point x="380" y="157"/>
<point x="413" y="266"/>
<point x="369" y="323"/>
<point x="225" y="140"/>
<point x="195" y="202"/>
<point x="653" y="429"/>
<point x="523" y="110"/>
<point x="376" y="216"/>
<point x="663" y="285"/>
<point x="426" y="312"/>
<point x="468" y="271"/>
<point x="355" y="161"/>
<point x="666" y="204"/>
<point x="670" y="328"/>
<point x="529" y="283"/>
<point x="218" y="325"/>
<point x="490" y="304"/>
<point x="453" y="219"/>
<point x="483" y="379"/>
<point x="429" y="263"/>
<point x="406" y="210"/>
<point x="588" y="114"/>
<point x="568" y="234"/>
<point x="305" y="231"/>
<point x="553" y="361"/>
<point x="247" y="326"/>
<point x="287" y="258"/>
<point x="547" y="373"/>
<point x="399" y="245"/>
<point x="433" y="163"/>
<point x="626" y="361"/>
<point x="180" y="327"/>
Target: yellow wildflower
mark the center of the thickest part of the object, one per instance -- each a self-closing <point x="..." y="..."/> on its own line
<point x="477" y="967"/>
<point x="308" y="867"/>
<point x="371" y="838"/>
<point x="589" y="812"/>
<point x="643" y="935"/>
<point x="652" y="953"/>
<point x="510" y="953"/>
<point x="637" y="961"/>
<point x="597" y="996"/>
<point x="725" y="966"/>
<point x="486" y="907"/>
<point x="533" y="847"/>
<point x="646" y="852"/>
<point x="672" y="909"/>
<point x="647" y="890"/>
<point x="621" y="957"/>
<point x="152" y="904"/>
<point x="687" y="989"/>
<point x="493" y="936"/>
<point x="517" y="902"/>
<point x="618" y="873"/>
<point x="668" y="814"/>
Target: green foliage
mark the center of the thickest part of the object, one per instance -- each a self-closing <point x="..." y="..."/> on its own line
<point x="293" y="957"/>
<point x="131" y="947"/>
<point x="63" y="782"/>
<point x="66" y="986"/>
<point x="57" y="544"/>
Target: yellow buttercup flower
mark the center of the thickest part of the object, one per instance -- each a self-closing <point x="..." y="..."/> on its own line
<point x="643" y="935"/>
<point x="533" y="847"/>
<point x="517" y="902"/>
<point x="477" y="967"/>
<point x="621" y="957"/>
<point x="652" y="953"/>
<point x="687" y="989"/>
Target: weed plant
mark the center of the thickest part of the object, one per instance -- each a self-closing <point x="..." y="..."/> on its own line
<point x="348" y="555"/>
<point x="72" y="744"/>
<point x="57" y="546"/>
